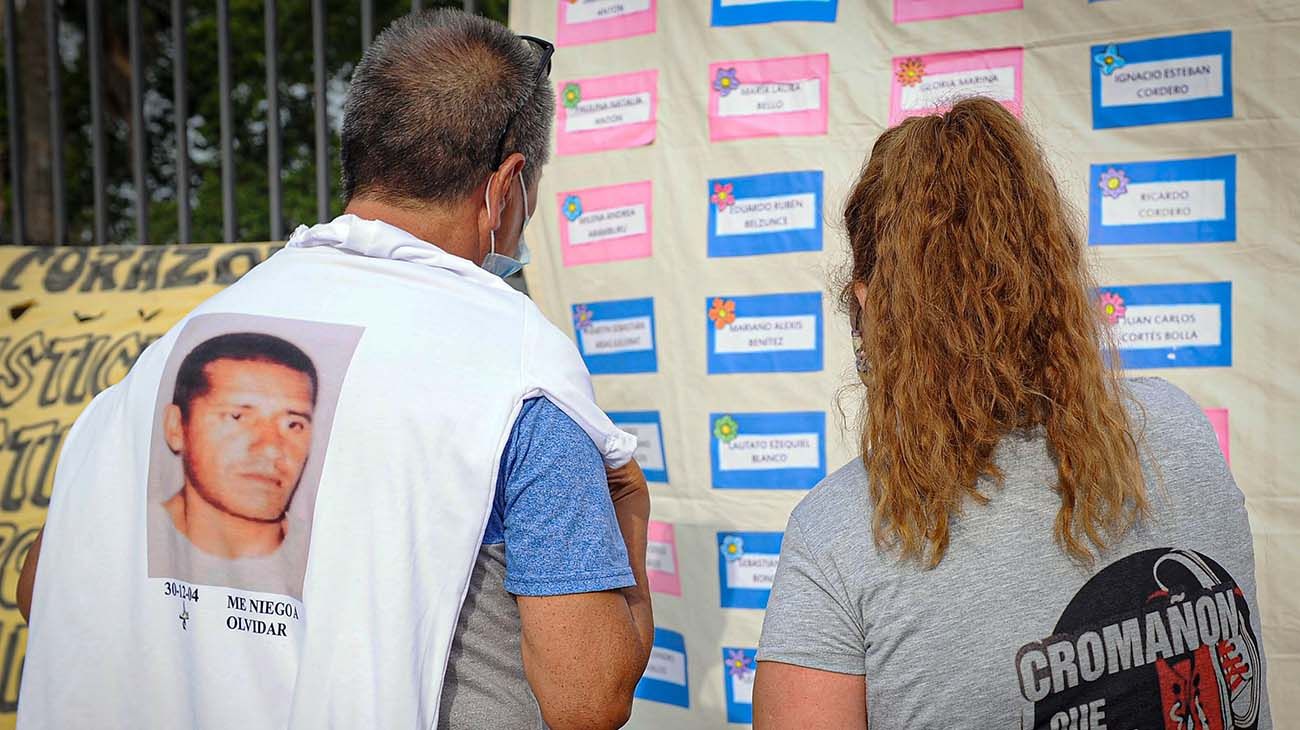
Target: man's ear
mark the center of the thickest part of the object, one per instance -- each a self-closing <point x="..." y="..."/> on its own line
<point x="500" y="186"/>
<point x="511" y="168"/>
<point x="174" y="428"/>
<point x="495" y="199"/>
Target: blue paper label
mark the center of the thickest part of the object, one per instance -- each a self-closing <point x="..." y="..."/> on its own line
<point x="749" y="12"/>
<point x="747" y="567"/>
<point x="768" y="333"/>
<point x="738" y="667"/>
<point x="1173" y="201"/>
<point x="617" y="336"/>
<point x="665" y="678"/>
<point x="1170" y="325"/>
<point x="765" y="214"/>
<point x="767" y="450"/>
<point x="649" y="432"/>
<point x="1176" y="79"/>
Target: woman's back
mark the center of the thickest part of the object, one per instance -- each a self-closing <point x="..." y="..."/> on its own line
<point x="1162" y="631"/>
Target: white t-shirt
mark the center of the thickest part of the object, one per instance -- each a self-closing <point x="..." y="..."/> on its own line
<point x="334" y="423"/>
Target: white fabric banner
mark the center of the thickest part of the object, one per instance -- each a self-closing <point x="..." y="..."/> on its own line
<point x="1260" y="389"/>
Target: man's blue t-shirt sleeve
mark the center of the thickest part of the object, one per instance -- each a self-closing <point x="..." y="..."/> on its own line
<point x="552" y="509"/>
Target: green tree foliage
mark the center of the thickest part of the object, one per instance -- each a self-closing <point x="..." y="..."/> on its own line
<point x="248" y="97"/>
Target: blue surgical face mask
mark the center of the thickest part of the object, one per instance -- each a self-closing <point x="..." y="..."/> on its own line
<point x="500" y="264"/>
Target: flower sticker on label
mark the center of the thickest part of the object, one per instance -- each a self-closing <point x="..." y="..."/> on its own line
<point x="1175" y="79"/>
<point x="661" y="559"/>
<point x="907" y="11"/>
<point x="1112" y="306"/>
<point x="571" y="95"/>
<point x="722" y="312"/>
<point x="590" y="21"/>
<point x="610" y="223"/>
<point x="910" y="72"/>
<point x="722" y="196"/>
<point x="767" y="450"/>
<point x="747" y="567"/>
<point x="750" y="12"/>
<point x="739" y="666"/>
<point x="648" y="429"/>
<point x="928" y="84"/>
<point x="1109" y="60"/>
<point x="1174" y="201"/>
<point x="769" y="97"/>
<point x="571" y="207"/>
<point x="1219" y="421"/>
<point x="1113" y="183"/>
<point x="725" y="429"/>
<point x="619" y="336"/>
<point x="725" y="81"/>
<point x="768" y="333"/>
<point x="732" y="548"/>
<point x="665" y="678"/>
<point x="607" y="113"/>
<point x="581" y="317"/>
<point x="765" y="214"/>
<point x="1170" y="325"/>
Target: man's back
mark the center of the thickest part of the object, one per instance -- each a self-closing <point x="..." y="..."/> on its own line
<point x="395" y="495"/>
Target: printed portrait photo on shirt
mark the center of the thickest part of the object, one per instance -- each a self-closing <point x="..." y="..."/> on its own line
<point x="241" y="428"/>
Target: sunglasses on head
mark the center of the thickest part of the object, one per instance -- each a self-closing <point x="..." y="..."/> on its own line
<point x="545" y="50"/>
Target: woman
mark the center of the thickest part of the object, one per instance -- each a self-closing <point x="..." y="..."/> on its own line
<point x="1027" y="540"/>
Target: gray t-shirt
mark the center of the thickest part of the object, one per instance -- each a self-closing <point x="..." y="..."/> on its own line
<point x="1163" y="631"/>
<point x="485" y="684"/>
<point x="552" y="532"/>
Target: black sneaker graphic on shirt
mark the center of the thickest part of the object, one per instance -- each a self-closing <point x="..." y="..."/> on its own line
<point x="1158" y="640"/>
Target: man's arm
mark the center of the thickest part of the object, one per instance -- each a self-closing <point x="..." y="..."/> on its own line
<point x="631" y="497"/>
<point x="584" y="653"/>
<point x="27" y="579"/>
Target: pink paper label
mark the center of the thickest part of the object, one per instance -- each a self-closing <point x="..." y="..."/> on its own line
<point x="1219" y="419"/>
<point x="661" y="559"/>
<point x="590" y="21"/>
<point x="770" y="97"/>
<point x="928" y="84"/>
<point x="605" y="224"/>
<point x="607" y="112"/>
<point x="906" y="11"/>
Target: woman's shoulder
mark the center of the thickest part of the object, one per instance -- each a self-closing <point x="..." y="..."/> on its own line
<point x="1179" y="448"/>
<point x="838" y="505"/>
<point x="1159" y="395"/>
<point x="1163" y="413"/>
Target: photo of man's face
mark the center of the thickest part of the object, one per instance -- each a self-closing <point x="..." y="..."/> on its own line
<point x="241" y="421"/>
<point x="245" y="441"/>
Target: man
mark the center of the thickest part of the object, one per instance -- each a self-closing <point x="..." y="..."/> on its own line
<point x="464" y="520"/>
<point x="241" y="421"/>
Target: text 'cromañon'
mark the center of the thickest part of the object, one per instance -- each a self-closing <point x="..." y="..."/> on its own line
<point x="1060" y="662"/>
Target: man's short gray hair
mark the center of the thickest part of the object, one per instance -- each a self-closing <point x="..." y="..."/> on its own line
<point x="430" y="99"/>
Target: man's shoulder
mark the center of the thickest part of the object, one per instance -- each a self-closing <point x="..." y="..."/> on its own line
<point x="542" y="337"/>
<point x="543" y="429"/>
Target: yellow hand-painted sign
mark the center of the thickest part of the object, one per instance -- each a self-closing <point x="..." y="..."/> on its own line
<point x="74" y="320"/>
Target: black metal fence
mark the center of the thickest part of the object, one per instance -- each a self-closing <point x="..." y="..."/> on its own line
<point x="120" y="204"/>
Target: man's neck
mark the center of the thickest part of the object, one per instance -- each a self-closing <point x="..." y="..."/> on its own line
<point x="450" y="229"/>
<point x="220" y="533"/>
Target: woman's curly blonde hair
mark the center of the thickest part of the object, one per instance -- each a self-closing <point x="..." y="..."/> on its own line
<point x="977" y="320"/>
